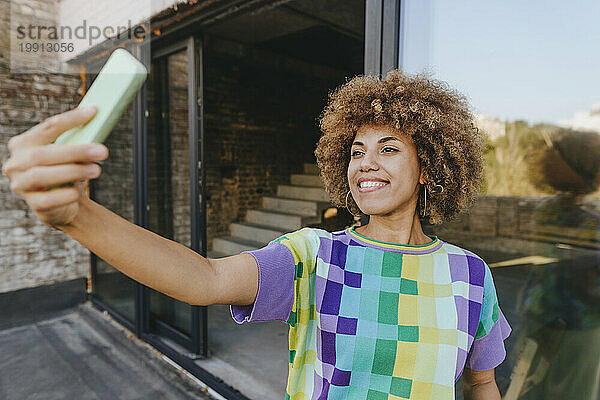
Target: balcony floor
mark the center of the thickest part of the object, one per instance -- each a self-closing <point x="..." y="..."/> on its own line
<point x="79" y="355"/>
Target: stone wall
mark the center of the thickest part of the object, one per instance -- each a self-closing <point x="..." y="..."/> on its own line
<point x="31" y="254"/>
<point x="508" y="225"/>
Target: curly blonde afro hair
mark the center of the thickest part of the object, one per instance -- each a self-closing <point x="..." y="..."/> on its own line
<point x="449" y="146"/>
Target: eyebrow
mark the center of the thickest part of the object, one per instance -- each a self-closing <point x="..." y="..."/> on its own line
<point x="382" y="140"/>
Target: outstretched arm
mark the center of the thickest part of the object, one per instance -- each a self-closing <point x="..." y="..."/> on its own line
<point x="162" y="264"/>
<point x="35" y="164"/>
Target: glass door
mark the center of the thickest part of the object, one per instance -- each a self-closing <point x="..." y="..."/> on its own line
<point x="114" y="189"/>
<point x="173" y="183"/>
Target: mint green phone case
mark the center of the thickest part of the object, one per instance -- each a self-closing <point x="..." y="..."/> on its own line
<point x="111" y="92"/>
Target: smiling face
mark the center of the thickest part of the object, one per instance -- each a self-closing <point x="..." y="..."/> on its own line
<point x="384" y="172"/>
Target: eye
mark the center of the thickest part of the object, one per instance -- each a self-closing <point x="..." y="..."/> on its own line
<point x="389" y="148"/>
<point x="355" y="152"/>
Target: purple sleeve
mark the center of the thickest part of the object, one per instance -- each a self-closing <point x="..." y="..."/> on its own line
<point x="488" y="351"/>
<point x="274" y="300"/>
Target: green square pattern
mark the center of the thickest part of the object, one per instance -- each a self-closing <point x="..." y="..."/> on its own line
<point x="401" y="387"/>
<point x="385" y="357"/>
<point x="392" y="265"/>
<point x="375" y="395"/>
<point x="299" y="269"/>
<point x="388" y="308"/>
<point x="408" y="286"/>
<point x="408" y="333"/>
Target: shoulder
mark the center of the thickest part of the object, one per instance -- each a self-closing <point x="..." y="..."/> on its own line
<point x="305" y="234"/>
<point x="465" y="265"/>
<point x="304" y="242"/>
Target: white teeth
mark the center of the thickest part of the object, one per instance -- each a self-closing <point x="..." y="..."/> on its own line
<point x="371" y="184"/>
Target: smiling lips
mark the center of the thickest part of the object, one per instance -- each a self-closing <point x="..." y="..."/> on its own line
<point x="371" y="186"/>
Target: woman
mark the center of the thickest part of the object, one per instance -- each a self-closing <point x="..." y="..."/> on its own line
<point x="380" y="311"/>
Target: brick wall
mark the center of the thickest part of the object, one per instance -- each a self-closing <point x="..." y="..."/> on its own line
<point x="31" y="254"/>
<point x="168" y="155"/>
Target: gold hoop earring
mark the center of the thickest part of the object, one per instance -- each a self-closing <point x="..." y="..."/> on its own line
<point x="425" y="198"/>
<point x="438" y="189"/>
<point x="348" y="208"/>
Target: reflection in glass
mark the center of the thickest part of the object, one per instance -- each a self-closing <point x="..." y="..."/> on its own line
<point x="562" y="304"/>
<point x="533" y="86"/>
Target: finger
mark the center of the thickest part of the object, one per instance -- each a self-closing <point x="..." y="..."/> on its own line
<point x="41" y="178"/>
<point x="54" y="154"/>
<point x="51" y="128"/>
<point x="47" y="200"/>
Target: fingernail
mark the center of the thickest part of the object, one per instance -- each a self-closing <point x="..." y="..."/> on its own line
<point x="96" y="151"/>
<point x="91" y="170"/>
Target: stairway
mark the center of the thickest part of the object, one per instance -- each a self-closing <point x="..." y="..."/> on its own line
<point x="295" y="206"/>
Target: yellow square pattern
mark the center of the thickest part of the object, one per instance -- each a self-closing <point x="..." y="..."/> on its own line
<point x="303" y="317"/>
<point x="425" y="289"/>
<point x="441" y="392"/>
<point x="428" y="335"/>
<point x="406" y="354"/>
<point x="426" y="310"/>
<point x="304" y="301"/>
<point x="311" y="356"/>
<point x="410" y="267"/>
<point x="448" y="336"/>
<point x="425" y="269"/>
<point x="407" y="310"/>
<point x="421" y="391"/>
<point x="442" y="290"/>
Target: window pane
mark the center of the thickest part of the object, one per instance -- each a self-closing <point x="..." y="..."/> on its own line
<point x="168" y="175"/>
<point x="114" y="190"/>
<point x="531" y="74"/>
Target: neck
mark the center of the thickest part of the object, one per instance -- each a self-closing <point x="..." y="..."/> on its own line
<point x="403" y="229"/>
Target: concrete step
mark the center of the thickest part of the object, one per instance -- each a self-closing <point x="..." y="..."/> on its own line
<point x="306" y="180"/>
<point x="229" y="245"/>
<point x="293" y="206"/>
<point x="302" y="193"/>
<point x="286" y="221"/>
<point x="258" y="233"/>
<point x="311" y="169"/>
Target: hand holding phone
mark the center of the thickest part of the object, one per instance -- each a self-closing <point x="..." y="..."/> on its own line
<point x="111" y="92"/>
<point x="36" y="165"/>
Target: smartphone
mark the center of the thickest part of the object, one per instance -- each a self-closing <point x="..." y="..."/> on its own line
<point x="111" y="92"/>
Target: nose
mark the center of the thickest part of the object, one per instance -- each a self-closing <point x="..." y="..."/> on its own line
<point x="368" y="161"/>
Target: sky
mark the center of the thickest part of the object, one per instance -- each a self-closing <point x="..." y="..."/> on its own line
<point x="533" y="60"/>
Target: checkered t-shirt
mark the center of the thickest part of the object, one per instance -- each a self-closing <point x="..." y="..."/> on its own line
<point x="376" y="320"/>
